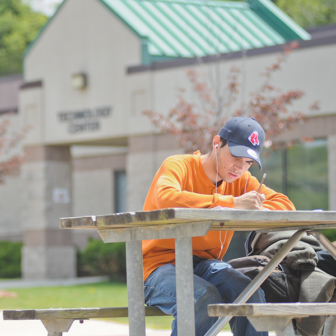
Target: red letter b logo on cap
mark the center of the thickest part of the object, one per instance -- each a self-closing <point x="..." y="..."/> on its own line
<point x="254" y="138"/>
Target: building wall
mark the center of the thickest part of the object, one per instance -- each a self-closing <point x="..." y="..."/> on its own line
<point x="9" y="88"/>
<point x="306" y="69"/>
<point x="93" y="192"/>
<point x="32" y="108"/>
<point x="12" y="190"/>
<point x="84" y="37"/>
<point x="93" y="189"/>
<point x="47" y="179"/>
<point x="146" y="154"/>
<point x="11" y="202"/>
<point x="332" y="171"/>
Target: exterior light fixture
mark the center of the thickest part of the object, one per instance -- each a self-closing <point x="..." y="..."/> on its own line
<point x="79" y="81"/>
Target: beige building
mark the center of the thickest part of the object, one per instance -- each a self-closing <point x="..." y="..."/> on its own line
<point x="92" y="71"/>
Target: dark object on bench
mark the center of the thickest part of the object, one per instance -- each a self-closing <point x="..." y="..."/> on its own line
<point x="282" y="285"/>
<point x="326" y="262"/>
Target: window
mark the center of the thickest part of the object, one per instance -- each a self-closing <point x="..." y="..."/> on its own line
<point x="120" y="191"/>
<point x="300" y="172"/>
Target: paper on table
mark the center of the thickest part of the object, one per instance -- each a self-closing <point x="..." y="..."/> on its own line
<point x="222" y="208"/>
<point x="226" y="208"/>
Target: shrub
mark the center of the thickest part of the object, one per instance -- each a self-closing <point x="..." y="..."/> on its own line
<point x="99" y="258"/>
<point x="10" y="259"/>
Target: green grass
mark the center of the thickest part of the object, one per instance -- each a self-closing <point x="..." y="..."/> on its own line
<point x="104" y="294"/>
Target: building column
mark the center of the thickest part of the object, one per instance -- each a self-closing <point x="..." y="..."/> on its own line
<point x="48" y="252"/>
<point x="332" y="171"/>
<point x="145" y="156"/>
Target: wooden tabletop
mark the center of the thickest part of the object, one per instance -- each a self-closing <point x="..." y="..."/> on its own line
<point x="222" y="219"/>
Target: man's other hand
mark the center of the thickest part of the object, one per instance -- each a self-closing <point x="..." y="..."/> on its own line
<point x="249" y="201"/>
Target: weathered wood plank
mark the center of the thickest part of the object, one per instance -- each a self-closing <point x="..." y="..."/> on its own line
<point x="273" y="309"/>
<point x="80" y="313"/>
<point x="80" y="222"/>
<point x="309" y="227"/>
<point x="19" y="314"/>
<point x="250" y="216"/>
<point x="270" y="228"/>
<point x="155" y="232"/>
<point x="120" y="219"/>
<point x="222" y="219"/>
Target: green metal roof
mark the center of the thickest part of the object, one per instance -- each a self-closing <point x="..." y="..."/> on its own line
<point x="196" y="28"/>
<point x="171" y="29"/>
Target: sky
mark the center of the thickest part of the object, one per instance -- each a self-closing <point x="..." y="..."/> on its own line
<point x="47" y="7"/>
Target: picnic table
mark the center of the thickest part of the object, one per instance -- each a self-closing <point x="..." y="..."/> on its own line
<point x="182" y="224"/>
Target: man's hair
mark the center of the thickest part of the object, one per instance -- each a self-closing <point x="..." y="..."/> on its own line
<point x="223" y="141"/>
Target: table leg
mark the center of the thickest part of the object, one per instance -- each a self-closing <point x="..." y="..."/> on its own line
<point x="282" y="325"/>
<point x="135" y="289"/>
<point x="288" y="331"/>
<point x="258" y="280"/>
<point x="56" y="327"/>
<point x="184" y="287"/>
<point x="325" y="242"/>
<point x="330" y="326"/>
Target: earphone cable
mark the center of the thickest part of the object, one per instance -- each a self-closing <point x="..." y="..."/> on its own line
<point x="220" y="235"/>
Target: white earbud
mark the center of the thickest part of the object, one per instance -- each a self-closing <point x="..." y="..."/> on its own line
<point x="216" y="146"/>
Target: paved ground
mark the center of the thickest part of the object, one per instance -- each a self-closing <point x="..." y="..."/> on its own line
<point x="23" y="283"/>
<point x="88" y="328"/>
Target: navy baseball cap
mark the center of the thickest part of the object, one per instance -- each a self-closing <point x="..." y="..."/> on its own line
<point x="245" y="138"/>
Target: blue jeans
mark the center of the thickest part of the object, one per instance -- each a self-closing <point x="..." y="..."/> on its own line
<point x="214" y="282"/>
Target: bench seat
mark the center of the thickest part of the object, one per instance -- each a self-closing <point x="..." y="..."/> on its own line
<point x="74" y="313"/>
<point x="277" y="316"/>
<point x="60" y="320"/>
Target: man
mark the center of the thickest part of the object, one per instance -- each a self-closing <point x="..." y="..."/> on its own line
<point x="219" y="178"/>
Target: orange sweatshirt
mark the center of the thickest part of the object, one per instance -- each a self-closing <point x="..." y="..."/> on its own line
<point x="182" y="183"/>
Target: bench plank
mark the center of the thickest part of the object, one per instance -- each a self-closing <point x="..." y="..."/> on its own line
<point x="273" y="309"/>
<point x="76" y="314"/>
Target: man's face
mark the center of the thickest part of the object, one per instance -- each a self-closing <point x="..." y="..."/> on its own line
<point x="230" y="167"/>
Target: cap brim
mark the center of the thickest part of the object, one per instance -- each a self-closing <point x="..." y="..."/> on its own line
<point x="243" y="151"/>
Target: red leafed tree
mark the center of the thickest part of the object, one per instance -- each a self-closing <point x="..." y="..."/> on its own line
<point x="10" y="156"/>
<point x="194" y="125"/>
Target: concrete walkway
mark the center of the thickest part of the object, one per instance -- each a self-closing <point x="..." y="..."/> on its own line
<point x="88" y="328"/>
<point x="24" y="283"/>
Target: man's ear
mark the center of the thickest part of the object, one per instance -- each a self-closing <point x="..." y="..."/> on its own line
<point x="216" y="141"/>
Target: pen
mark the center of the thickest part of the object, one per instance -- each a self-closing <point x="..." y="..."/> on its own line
<point x="262" y="181"/>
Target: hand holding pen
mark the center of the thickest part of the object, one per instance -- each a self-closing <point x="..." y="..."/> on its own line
<point x="252" y="200"/>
